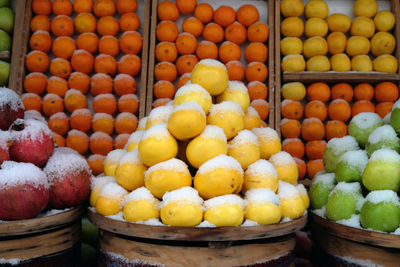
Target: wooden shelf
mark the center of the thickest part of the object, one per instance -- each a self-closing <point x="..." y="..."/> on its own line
<point x="308" y="77"/>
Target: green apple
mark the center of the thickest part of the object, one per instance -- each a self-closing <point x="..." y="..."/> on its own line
<point x="395" y="117"/>
<point x="5" y="41"/>
<point x="382" y="171"/>
<point x="4" y="72"/>
<point x="382" y="137"/>
<point x="4" y="3"/>
<point x="322" y="185"/>
<point x="351" y="166"/>
<point x="362" y="125"/>
<point x="381" y="211"/>
<point x="335" y="148"/>
<point x="90" y="233"/>
<point x="6" y="19"/>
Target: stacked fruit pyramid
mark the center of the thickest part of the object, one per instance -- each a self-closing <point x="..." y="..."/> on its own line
<point x="220" y="143"/>
<point x="6" y="30"/>
<point x="351" y="44"/>
<point x="188" y="32"/>
<point x="89" y="77"/>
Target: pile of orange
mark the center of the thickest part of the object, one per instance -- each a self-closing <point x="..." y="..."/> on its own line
<point x="82" y="66"/>
<point x="221" y="33"/>
<point x="324" y="114"/>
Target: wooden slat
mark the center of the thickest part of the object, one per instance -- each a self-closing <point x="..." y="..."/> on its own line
<point x="335" y="77"/>
<point x="277" y="27"/>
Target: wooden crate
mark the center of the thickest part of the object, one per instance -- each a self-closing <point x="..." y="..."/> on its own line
<point x="269" y="4"/>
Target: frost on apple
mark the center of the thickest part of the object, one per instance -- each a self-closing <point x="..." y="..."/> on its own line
<point x="351" y="166"/>
<point x="362" y="125"/>
<point x="335" y="148"/>
<point x="382" y="137"/>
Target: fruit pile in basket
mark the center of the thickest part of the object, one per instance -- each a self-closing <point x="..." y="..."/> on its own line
<point x="351" y="44"/>
<point x="33" y="174"/>
<point x="6" y="29"/>
<point x="240" y="173"/>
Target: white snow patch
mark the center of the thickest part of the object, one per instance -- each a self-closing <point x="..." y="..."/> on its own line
<point x="131" y="157"/>
<point x="10" y="261"/>
<point x="142" y="124"/>
<point x="5" y="137"/>
<point x="366" y="120"/>
<point x="174" y="165"/>
<point x="383" y="133"/>
<point x="244" y="137"/>
<point x="205" y="224"/>
<point x="261" y="168"/>
<point x="118" y="217"/>
<point x="33" y="130"/>
<point x="265" y="134"/>
<point x="189" y="106"/>
<point x="355" y="158"/>
<point x="53" y="212"/>
<point x="10" y="98"/>
<point x="100" y="181"/>
<point x="379" y="196"/>
<point x="282" y="158"/>
<point x="286" y="219"/>
<point x="158" y="131"/>
<point x="141" y="193"/>
<point x="193" y="89"/>
<point x="237" y="86"/>
<point x="286" y="190"/>
<point x="320" y="212"/>
<point x="152" y="222"/>
<point x="385" y="154"/>
<point x="347" y="187"/>
<point x="230" y="199"/>
<point x="113" y="191"/>
<point x="386" y="119"/>
<point x="249" y="223"/>
<point x="114" y="156"/>
<point x="211" y="62"/>
<point x="213" y="132"/>
<point x="160" y="114"/>
<point x="340" y="145"/>
<point x="261" y="196"/>
<point x="220" y="162"/>
<point x="353" y="221"/>
<point x="18" y="173"/>
<point x="135" y="262"/>
<point x="226" y="106"/>
<point x="184" y="194"/>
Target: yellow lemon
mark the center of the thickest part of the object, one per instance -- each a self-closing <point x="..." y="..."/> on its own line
<point x="292" y="27"/>
<point x="385" y="63"/>
<point x="110" y="199"/>
<point x="244" y="148"/>
<point x="262" y="206"/>
<point x="340" y="62"/>
<point x="140" y="205"/>
<point x="294" y="91"/>
<point x="336" y="42"/>
<point x="339" y="23"/>
<point x="292" y="205"/>
<point x="236" y="92"/>
<point x="285" y="166"/>
<point x="361" y="63"/>
<point x="316" y="9"/>
<point x="111" y="161"/>
<point x="293" y="63"/>
<point x="315" y="46"/>
<point x="367" y="8"/>
<point x="218" y="176"/>
<point x="292" y="8"/>
<point x="316" y="27"/>
<point x="157" y="145"/>
<point x="251" y="119"/>
<point x="384" y="21"/>
<point x="291" y="46"/>
<point x="227" y="115"/>
<point x="211" y="74"/>
<point x="134" y="139"/>
<point x="167" y="176"/>
<point x="96" y="185"/>
<point x="304" y="195"/>
<point x="158" y="115"/>
<point x="260" y="174"/>
<point x="362" y="26"/>
<point x="268" y="140"/>
<point x="357" y="45"/>
<point x="382" y="43"/>
<point x="130" y="171"/>
<point x="187" y="120"/>
<point x="224" y="210"/>
<point x="193" y="92"/>
<point x="318" y="63"/>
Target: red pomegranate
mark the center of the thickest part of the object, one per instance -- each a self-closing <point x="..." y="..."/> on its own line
<point x="11" y="108"/>
<point x="5" y="143"/>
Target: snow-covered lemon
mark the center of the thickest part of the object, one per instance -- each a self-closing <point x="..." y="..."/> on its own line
<point x="244" y="148"/>
<point x="236" y="92"/>
<point x="134" y="139"/>
<point x="268" y="140"/>
<point x="361" y="63"/>
<point x="293" y="63"/>
<point x="158" y="115"/>
<point x="193" y="92"/>
<point x="140" y="205"/>
<point x="291" y="202"/>
<point x="111" y="161"/>
<point x="227" y="115"/>
<point x="130" y="171"/>
<point x="262" y="206"/>
<point x="251" y="119"/>
<point x="291" y="46"/>
<point x="96" y="185"/>
<point x="110" y="199"/>
<point x="224" y="210"/>
<point x="260" y="174"/>
<point x="211" y="74"/>
<point x="304" y="195"/>
<point x="286" y="167"/>
<point x="187" y="120"/>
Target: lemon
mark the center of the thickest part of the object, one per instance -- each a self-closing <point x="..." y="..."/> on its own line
<point x="285" y="166"/>
<point x="292" y="27"/>
<point x="187" y="120"/>
<point x="315" y="46"/>
<point x="96" y="185"/>
<point x="340" y="62"/>
<point x="227" y="115"/>
<point x="336" y="42"/>
<point x="224" y="210"/>
<point x="292" y="8"/>
<point x="367" y="8"/>
<point x="316" y="9"/>
<point x="140" y="205"/>
<point x="260" y="174"/>
<point x="134" y="139"/>
<point x="211" y="74"/>
<point x="291" y="46"/>
<point x="236" y="92"/>
<point x="130" y="171"/>
<point x="291" y="202"/>
<point x="362" y="26"/>
<point x="244" y="148"/>
<point x="318" y="63"/>
<point x="382" y="43"/>
<point x="385" y="63"/>
<point x="158" y="115"/>
<point x="293" y="63"/>
<point x="303" y="195"/>
<point x="294" y="91"/>
<point x="109" y="201"/>
<point x="384" y="21"/>
<point x="339" y="23"/>
<point x="316" y="27"/>
<point x="251" y="119"/>
<point x="193" y="92"/>
<point x="361" y="63"/>
<point x="268" y="141"/>
<point x="262" y="206"/>
<point x="111" y="161"/>
<point x="357" y="45"/>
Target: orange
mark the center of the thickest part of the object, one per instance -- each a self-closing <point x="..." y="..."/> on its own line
<point x="74" y="99"/>
<point x="164" y="89"/>
<point x="124" y="84"/>
<point x="109" y="45"/>
<point x="59" y="123"/>
<point x="342" y="91"/>
<point x="318" y="91"/>
<point x="192" y="25"/>
<point x="256" y="52"/>
<point x="128" y="103"/>
<point x="103" y="8"/>
<point x="85" y="22"/>
<point x="77" y="140"/>
<point x="57" y="85"/>
<point x="129" y="22"/>
<point x="40" y="40"/>
<point x="247" y="15"/>
<point x="167" y="30"/>
<point x="108" y="25"/>
<point x="386" y="92"/>
<point x="235" y="70"/>
<point x="312" y="129"/>
<point x="314" y="166"/>
<point x="101" y="83"/>
<point x="100" y="143"/>
<point x="229" y="51"/>
<point x="103" y="122"/>
<point x="257" y="90"/>
<point x="60" y="67"/>
<point x="32" y="101"/>
<point x="339" y="110"/>
<point x="81" y="6"/>
<point x="130" y="42"/>
<point x="204" y="12"/>
<point x="62" y="7"/>
<point x="59" y="141"/>
<point x="383" y="108"/>
<point x="125" y="123"/>
<point x="81" y="119"/>
<point x="364" y="91"/>
<point x="104" y="103"/>
<point x="105" y="64"/>
<point x="186" y="63"/>
<point x="165" y="71"/>
<point x="182" y="81"/>
<point x="291" y="109"/>
<point x="262" y="108"/>
<point x="315" y="149"/>
<point x="125" y="6"/>
<point x="236" y="33"/>
<point x="166" y="51"/>
<point x="79" y="81"/>
<point x="362" y="106"/>
<point x="52" y="104"/>
<point x="37" y="61"/>
<point x="258" y="32"/>
<point x="213" y="32"/>
<point x="62" y="25"/>
<point x="256" y="71"/>
<point x="121" y="140"/>
<point x="160" y="102"/>
<point x="315" y="109"/>
<point x="186" y="43"/>
<point x="335" y="129"/>
<point x="96" y="163"/>
<point x="129" y="64"/>
<point x="294" y="146"/>
<point x="40" y="22"/>
<point x="41" y="7"/>
<point x="35" y="82"/>
<point x="206" y="49"/>
<point x="301" y="166"/>
<point x="87" y="41"/>
<point x="82" y="61"/>
<point x="167" y="10"/>
<point x="290" y="128"/>
<point x="224" y="16"/>
<point x="186" y="6"/>
<point x="63" y="47"/>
